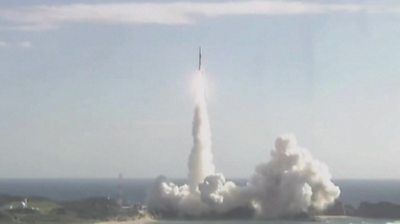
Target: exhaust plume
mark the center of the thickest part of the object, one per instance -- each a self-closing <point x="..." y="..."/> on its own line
<point x="200" y="159"/>
<point x="292" y="183"/>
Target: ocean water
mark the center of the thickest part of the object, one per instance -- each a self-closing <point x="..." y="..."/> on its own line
<point x="134" y="190"/>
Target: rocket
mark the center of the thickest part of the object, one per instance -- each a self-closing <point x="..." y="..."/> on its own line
<point x="199" y="58"/>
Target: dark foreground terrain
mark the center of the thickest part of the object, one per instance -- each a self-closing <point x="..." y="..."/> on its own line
<point x="380" y="210"/>
<point x="44" y="211"/>
<point x="91" y="210"/>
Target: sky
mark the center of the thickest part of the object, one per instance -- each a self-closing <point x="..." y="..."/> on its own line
<point x="89" y="89"/>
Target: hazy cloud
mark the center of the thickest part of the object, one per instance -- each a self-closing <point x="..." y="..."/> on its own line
<point x="46" y="17"/>
<point x="19" y="44"/>
<point x="33" y="27"/>
<point x="24" y="44"/>
<point x="3" y="44"/>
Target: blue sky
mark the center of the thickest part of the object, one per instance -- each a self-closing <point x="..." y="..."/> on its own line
<point x="91" y="89"/>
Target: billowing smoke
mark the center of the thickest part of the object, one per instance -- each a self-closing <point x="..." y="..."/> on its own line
<point x="291" y="183"/>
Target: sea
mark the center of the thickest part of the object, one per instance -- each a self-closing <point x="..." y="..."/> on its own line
<point x="134" y="190"/>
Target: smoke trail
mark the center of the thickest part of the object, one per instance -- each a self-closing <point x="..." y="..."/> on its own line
<point x="291" y="183"/>
<point x="200" y="159"/>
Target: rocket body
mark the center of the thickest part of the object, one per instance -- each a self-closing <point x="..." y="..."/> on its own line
<point x="199" y="58"/>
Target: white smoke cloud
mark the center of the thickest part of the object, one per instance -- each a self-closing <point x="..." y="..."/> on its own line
<point x="291" y="183"/>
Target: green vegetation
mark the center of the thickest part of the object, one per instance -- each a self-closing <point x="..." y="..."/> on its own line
<point x="44" y="211"/>
<point x="43" y="206"/>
